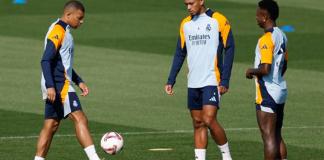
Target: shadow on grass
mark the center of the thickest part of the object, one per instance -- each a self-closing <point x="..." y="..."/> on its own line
<point x="136" y="146"/>
<point x="28" y="124"/>
<point x="250" y="150"/>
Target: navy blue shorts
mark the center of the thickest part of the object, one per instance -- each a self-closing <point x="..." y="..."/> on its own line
<point x="198" y="97"/>
<point x="59" y="109"/>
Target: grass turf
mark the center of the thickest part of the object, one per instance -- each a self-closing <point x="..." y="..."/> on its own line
<point x="127" y="68"/>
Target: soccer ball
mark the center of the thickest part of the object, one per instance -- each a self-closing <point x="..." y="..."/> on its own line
<point x="112" y="142"/>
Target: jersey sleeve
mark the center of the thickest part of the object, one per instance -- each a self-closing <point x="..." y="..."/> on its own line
<point x="54" y="41"/>
<point x="178" y="59"/>
<point x="76" y="78"/>
<point x="224" y="29"/>
<point x="180" y="54"/>
<point x="226" y="43"/>
<point x="266" y="47"/>
<point x="285" y="65"/>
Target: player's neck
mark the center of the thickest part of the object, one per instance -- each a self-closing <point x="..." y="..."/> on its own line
<point x="202" y="10"/>
<point x="64" y="20"/>
<point x="269" y="25"/>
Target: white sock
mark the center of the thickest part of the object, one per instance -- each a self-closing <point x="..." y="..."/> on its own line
<point x="39" y="158"/>
<point x="91" y="152"/>
<point x="200" y="154"/>
<point x="225" y="151"/>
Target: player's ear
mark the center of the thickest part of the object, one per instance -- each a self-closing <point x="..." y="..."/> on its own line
<point x="266" y="16"/>
<point x="68" y="13"/>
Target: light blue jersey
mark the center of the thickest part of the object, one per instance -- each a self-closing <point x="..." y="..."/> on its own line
<point x="202" y="40"/>
<point x="57" y="63"/>
<point x="272" y="49"/>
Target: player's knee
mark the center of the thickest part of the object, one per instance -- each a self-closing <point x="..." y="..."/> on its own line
<point x="270" y="141"/>
<point x="55" y="127"/>
<point x="198" y="124"/>
<point x="83" y="121"/>
<point x="79" y="118"/>
<point x="266" y="131"/>
<point x="52" y="126"/>
<point x="208" y="120"/>
<point x="271" y="147"/>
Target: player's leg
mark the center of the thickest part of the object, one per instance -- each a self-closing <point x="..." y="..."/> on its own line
<point x="73" y="109"/>
<point x="200" y="134"/>
<point x="267" y="124"/>
<point x="83" y="134"/>
<point x="282" y="146"/>
<point x="200" y="129"/>
<point x="283" y="149"/>
<point x="209" y="115"/>
<point x="216" y="130"/>
<point x="45" y="137"/>
<point x="81" y="128"/>
<point x="53" y="115"/>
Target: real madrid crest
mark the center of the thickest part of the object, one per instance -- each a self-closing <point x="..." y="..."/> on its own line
<point x="208" y="27"/>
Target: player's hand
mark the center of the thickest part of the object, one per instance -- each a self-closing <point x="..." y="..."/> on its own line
<point x="248" y="74"/>
<point x="51" y="94"/>
<point x="84" y="88"/>
<point x="222" y="90"/>
<point x="168" y="89"/>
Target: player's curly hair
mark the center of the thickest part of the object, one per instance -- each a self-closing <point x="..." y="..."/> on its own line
<point x="74" y="4"/>
<point x="272" y="7"/>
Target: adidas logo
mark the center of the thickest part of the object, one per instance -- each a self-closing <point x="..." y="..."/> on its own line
<point x="56" y="37"/>
<point x="213" y="99"/>
<point x="264" y="47"/>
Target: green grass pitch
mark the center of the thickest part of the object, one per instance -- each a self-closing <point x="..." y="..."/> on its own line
<point x="124" y="51"/>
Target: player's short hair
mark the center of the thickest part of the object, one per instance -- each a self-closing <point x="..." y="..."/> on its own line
<point x="272" y="7"/>
<point x="74" y="4"/>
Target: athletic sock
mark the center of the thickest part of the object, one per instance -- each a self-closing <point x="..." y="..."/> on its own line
<point x="225" y="151"/>
<point x="200" y="154"/>
<point x="91" y="152"/>
<point x="39" y="158"/>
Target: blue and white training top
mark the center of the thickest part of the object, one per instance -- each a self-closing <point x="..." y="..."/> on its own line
<point x="202" y="39"/>
<point x="57" y="60"/>
<point x="272" y="49"/>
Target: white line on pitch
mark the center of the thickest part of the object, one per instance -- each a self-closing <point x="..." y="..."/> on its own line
<point x="159" y="132"/>
<point x="160" y="149"/>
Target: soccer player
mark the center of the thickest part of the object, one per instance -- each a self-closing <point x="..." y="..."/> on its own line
<point x="271" y="90"/>
<point x="204" y="35"/>
<point x="61" y="100"/>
